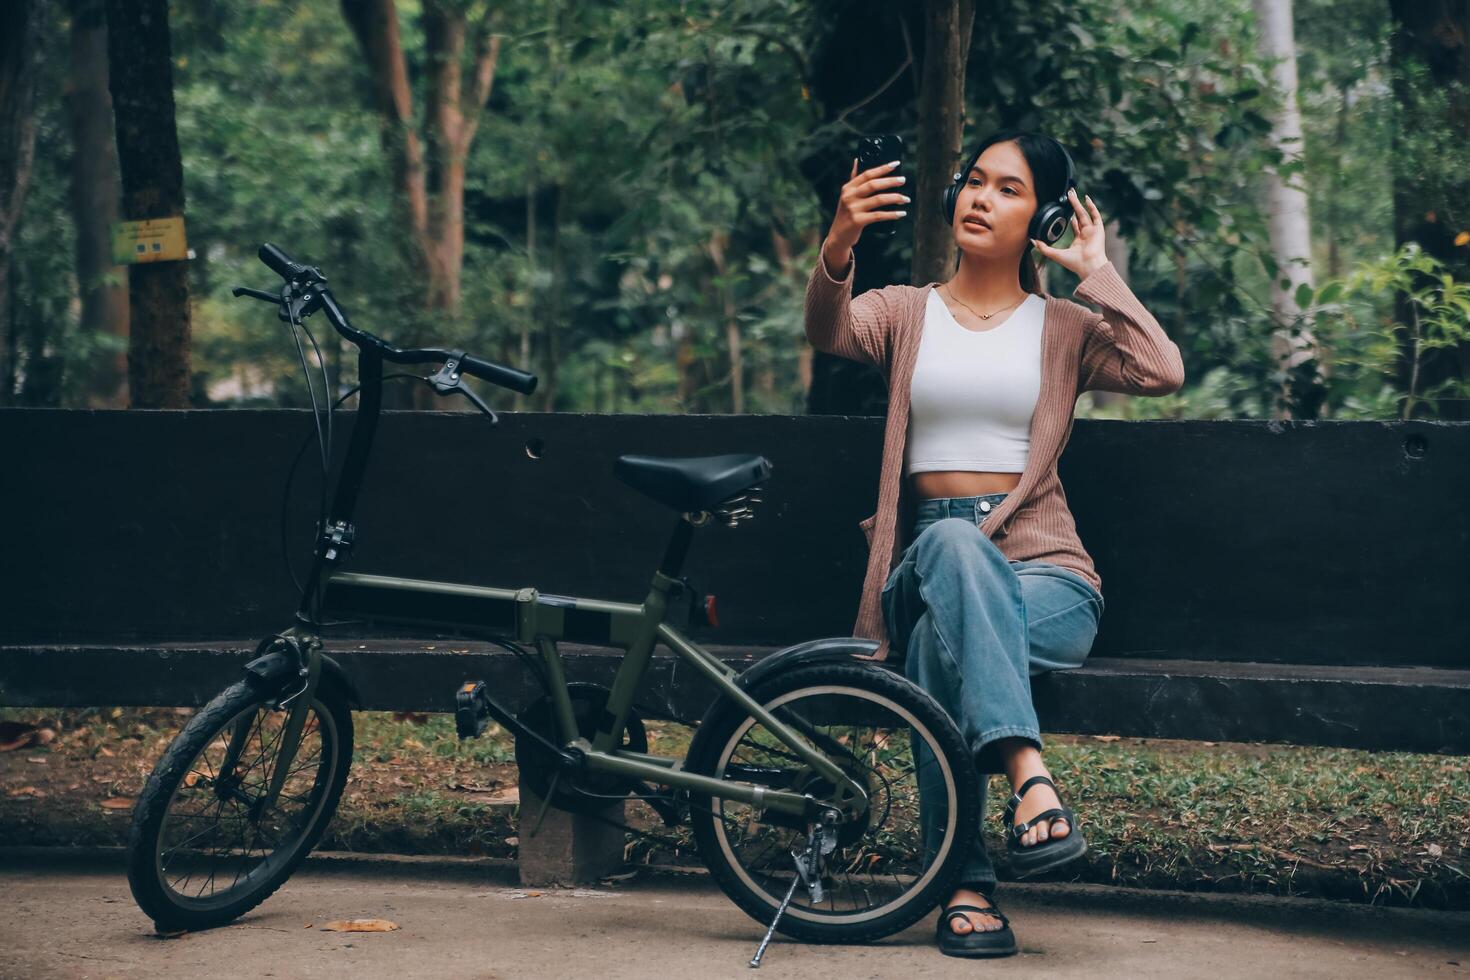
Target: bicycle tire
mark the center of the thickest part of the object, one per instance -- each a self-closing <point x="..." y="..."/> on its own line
<point x="147" y="871"/>
<point x="716" y="741"/>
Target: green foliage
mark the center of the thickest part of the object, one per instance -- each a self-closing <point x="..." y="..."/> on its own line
<point x="1358" y="329"/>
<point x="639" y="190"/>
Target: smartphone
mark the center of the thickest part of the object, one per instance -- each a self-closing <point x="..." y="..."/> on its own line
<point x="873" y="150"/>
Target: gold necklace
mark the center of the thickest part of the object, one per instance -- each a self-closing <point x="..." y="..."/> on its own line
<point x="983" y="316"/>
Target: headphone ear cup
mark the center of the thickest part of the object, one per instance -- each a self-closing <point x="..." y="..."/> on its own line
<point x="1049" y="223"/>
<point x="951" y="198"/>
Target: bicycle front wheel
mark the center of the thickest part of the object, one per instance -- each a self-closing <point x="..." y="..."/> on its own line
<point x="203" y="849"/>
<point x="893" y="864"/>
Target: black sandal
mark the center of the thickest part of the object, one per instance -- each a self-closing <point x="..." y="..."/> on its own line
<point x="1051" y="853"/>
<point x="976" y="942"/>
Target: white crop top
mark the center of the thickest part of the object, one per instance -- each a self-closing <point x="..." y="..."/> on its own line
<point x="974" y="391"/>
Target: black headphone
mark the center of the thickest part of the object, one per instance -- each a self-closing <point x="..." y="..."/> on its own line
<point x="1050" y="221"/>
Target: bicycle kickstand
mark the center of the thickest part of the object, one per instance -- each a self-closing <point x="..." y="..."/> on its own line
<point x="821" y="840"/>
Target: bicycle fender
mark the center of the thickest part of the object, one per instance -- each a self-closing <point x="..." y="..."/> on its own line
<point x="812" y="651"/>
<point x="274" y="668"/>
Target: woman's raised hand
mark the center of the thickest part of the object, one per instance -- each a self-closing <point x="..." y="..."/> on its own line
<point x="857" y="207"/>
<point x="1088" y="252"/>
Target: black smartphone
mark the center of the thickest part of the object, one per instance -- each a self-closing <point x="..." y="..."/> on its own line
<point x="873" y="150"/>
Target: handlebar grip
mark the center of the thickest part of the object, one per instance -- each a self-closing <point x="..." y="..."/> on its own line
<point x="499" y="374"/>
<point x="280" y="263"/>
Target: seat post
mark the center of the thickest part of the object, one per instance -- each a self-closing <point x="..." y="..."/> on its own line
<point x="677" y="549"/>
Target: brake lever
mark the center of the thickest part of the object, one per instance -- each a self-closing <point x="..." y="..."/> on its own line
<point x="446" y="381"/>
<point x="255" y="294"/>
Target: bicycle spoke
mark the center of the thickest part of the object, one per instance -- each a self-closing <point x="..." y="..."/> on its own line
<point x="887" y="854"/>
<point x="218" y="838"/>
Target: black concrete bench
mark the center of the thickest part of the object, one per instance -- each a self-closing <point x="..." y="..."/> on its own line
<point x="1279" y="582"/>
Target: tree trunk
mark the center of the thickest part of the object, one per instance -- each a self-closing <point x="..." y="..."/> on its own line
<point x="1293" y="345"/>
<point x="1431" y="34"/>
<point x="718" y="242"/>
<point x="429" y="188"/>
<point x="94" y="201"/>
<point x="20" y="50"/>
<point x="947" y="28"/>
<point x="531" y="304"/>
<point x="1334" y="201"/>
<point x="782" y="247"/>
<point x="859" y="76"/>
<point x="140" y="72"/>
<point x="556" y="306"/>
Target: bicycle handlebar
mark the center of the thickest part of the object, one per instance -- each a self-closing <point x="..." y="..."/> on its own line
<point x="306" y="293"/>
<point x="280" y="263"/>
<point x="499" y="374"/>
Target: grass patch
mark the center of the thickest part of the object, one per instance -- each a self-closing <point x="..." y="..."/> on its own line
<point x="1385" y="827"/>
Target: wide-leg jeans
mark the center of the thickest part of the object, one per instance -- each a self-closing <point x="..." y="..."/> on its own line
<point x="973" y="627"/>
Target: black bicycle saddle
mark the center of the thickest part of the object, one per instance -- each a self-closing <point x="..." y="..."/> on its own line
<point x="692" y="483"/>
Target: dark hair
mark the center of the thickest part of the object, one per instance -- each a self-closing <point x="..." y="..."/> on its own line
<point x="1048" y="170"/>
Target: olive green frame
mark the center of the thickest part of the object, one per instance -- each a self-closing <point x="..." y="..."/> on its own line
<point x="531" y="617"/>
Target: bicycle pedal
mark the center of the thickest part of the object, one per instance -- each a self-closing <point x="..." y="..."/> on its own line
<point x="471" y="715"/>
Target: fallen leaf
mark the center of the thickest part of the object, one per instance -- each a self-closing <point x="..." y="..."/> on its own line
<point x="105" y="751"/>
<point x="360" y="925"/>
<point x="1435" y="850"/>
<point x="1107" y="738"/>
<point x="39" y="760"/>
<point x="417" y="717"/>
<point x="117" y="803"/>
<point x="513" y="842"/>
<point x="28" y="791"/>
<point x="17" y="735"/>
<point x="191" y="778"/>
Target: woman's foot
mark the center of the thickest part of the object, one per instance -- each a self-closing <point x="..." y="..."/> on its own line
<point x="972" y="921"/>
<point x="1038" y="799"/>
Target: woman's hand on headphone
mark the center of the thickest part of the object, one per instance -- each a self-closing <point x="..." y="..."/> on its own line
<point x="1086" y="254"/>
<point x="856" y="204"/>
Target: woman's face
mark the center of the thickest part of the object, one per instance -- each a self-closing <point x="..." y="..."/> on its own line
<point x="999" y="192"/>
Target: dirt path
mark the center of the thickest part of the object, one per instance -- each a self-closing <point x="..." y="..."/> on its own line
<point x="470" y="921"/>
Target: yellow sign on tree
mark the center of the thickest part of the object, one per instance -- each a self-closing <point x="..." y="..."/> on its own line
<point x="156" y="240"/>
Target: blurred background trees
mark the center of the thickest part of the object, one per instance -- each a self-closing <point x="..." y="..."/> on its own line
<point x="628" y="198"/>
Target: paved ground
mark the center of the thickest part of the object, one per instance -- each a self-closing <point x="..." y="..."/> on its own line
<point x="76" y="919"/>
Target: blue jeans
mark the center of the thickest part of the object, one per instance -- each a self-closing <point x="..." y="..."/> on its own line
<point x="973" y="626"/>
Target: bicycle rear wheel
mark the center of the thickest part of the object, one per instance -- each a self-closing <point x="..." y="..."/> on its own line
<point x="885" y="733"/>
<point x="202" y="850"/>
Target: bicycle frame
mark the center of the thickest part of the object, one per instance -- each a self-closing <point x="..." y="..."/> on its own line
<point x="527" y="616"/>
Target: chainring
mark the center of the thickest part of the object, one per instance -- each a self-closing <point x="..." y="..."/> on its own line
<point x="575" y="792"/>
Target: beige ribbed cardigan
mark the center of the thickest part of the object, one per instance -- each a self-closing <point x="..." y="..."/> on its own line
<point x="1123" y="349"/>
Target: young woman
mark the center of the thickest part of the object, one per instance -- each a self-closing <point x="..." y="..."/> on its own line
<point x="975" y="571"/>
